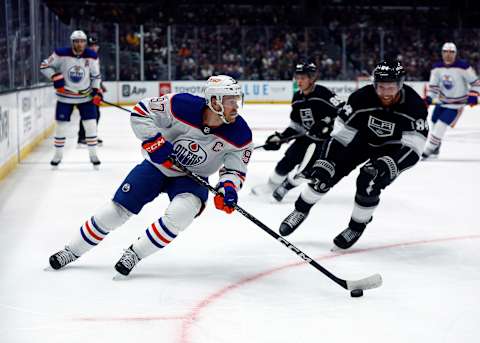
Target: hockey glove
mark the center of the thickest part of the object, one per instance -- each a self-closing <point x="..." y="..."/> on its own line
<point x="58" y="82"/>
<point x="97" y="96"/>
<point x="378" y="174"/>
<point x="321" y="174"/>
<point x="227" y="198"/>
<point x="159" y="150"/>
<point x="472" y="99"/>
<point x="320" y="130"/>
<point x="428" y="101"/>
<point x="273" y="141"/>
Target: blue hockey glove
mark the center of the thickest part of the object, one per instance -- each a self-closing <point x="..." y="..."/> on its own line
<point x="227" y="197"/>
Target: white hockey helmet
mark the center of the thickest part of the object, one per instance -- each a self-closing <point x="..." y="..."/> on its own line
<point x="78" y="35"/>
<point x="449" y="46"/>
<point x="219" y="86"/>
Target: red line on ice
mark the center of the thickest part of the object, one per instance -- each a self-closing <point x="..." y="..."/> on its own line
<point x="188" y="321"/>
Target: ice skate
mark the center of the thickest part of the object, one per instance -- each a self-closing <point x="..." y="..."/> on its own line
<point x="62" y="258"/>
<point x="126" y="263"/>
<point x="57" y="158"/>
<point x="350" y="235"/>
<point x="292" y="222"/>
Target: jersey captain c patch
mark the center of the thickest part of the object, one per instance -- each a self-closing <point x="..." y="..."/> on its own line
<point x="380" y="127"/>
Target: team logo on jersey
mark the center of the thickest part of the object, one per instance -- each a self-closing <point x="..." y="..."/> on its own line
<point x="380" y="127"/>
<point x="306" y="116"/>
<point x="447" y="82"/>
<point x="76" y="74"/>
<point x="189" y="153"/>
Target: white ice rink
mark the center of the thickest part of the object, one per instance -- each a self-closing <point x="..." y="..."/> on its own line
<point x="224" y="280"/>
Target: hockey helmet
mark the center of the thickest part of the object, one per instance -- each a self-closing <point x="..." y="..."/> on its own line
<point x="78" y="35"/>
<point x="389" y="71"/>
<point x="92" y="40"/>
<point x="306" y="68"/>
<point x="449" y="46"/>
<point x="219" y="86"/>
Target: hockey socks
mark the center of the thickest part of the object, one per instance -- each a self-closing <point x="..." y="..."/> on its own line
<point x="157" y="236"/>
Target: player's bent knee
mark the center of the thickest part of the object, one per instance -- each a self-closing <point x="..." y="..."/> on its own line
<point x="182" y="210"/>
<point x="90" y="126"/>
<point x="112" y="216"/>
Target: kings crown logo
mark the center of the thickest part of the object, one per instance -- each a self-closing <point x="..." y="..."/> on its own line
<point x="381" y="128"/>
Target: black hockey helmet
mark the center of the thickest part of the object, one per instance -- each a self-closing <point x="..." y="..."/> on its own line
<point x="389" y="71"/>
<point x="306" y="68"/>
<point x="92" y="40"/>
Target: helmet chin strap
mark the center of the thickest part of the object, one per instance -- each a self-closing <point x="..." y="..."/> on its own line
<point x="219" y="113"/>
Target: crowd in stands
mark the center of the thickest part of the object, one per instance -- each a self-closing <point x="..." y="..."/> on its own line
<point x="253" y="45"/>
<point x="265" y="41"/>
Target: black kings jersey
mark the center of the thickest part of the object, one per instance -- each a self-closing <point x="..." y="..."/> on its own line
<point x="319" y="105"/>
<point x="399" y="131"/>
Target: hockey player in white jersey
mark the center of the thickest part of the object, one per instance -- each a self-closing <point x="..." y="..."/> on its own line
<point x="75" y="73"/>
<point x="453" y="84"/>
<point x="203" y="134"/>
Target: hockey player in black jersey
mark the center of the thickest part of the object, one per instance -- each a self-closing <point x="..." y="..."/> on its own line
<point x="384" y="125"/>
<point x="314" y="109"/>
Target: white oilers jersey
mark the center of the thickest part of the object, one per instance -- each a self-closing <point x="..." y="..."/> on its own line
<point x="203" y="150"/>
<point x="451" y="84"/>
<point x="81" y="73"/>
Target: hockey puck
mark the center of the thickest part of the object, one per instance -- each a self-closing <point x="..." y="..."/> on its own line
<point x="356" y="293"/>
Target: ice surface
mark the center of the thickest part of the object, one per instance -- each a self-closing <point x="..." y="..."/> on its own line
<point x="224" y="279"/>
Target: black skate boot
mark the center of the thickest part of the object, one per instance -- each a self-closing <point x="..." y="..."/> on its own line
<point x="350" y="235"/>
<point x="94" y="159"/>
<point x="292" y="222"/>
<point x="280" y="192"/>
<point x="57" y="158"/>
<point x="62" y="258"/>
<point x="126" y="263"/>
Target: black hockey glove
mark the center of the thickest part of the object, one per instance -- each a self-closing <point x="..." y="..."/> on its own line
<point x="377" y="174"/>
<point x="273" y="142"/>
<point x="321" y="174"/>
<point x="320" y="130"/>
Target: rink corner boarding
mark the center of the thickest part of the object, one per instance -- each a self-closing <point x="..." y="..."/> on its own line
<point x="27" y="115"/>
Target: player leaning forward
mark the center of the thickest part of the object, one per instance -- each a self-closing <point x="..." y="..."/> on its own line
<point x="75" y="73"/>
<point x="203" y="134"/>
<point x="384" y="125"/>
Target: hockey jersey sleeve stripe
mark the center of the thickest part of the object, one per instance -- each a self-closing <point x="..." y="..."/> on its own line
<point x="142" y="105"/>
<point x="342" y="132"/>
<point x="414" y="140"/>
<point x="139" y="111"/>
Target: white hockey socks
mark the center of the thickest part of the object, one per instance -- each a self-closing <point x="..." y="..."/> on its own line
<point x="90" y="126"/>
<point x="361" y="214"/>
<point x="435" y="138"/>
<point x="94" y="230"/>
<point x="178" y="216"/>
<point x="59" y="141"/>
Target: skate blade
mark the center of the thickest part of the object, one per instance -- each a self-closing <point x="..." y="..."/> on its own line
<point x="120" y="277"/>
<point x="96" y="167"/>
<point x="48" y="269"/>
<point x="338" y="250"/>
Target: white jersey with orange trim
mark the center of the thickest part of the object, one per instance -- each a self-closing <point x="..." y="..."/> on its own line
<point x="202" y="149"/>
<point x="81" y="73"/>
<point x="450" y="84"/>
